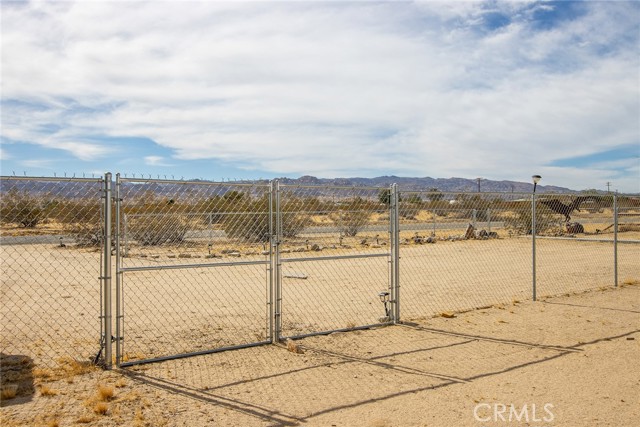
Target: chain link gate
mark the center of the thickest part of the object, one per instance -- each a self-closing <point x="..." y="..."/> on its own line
<point x="335" y="247"/>
<point x="193" y="268"/>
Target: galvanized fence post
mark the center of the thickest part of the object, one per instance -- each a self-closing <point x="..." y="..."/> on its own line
<point x="119" y="315"/>
<point x="106" y="278"/>
<point x="272" y="267"/>
<point x="395" y="251"/>
<point x="615" y="240"/>
<point x="533" y="242"/>
<point x="276" y="238"/>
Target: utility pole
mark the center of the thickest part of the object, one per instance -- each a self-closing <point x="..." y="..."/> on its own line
<point x="478" y="179"/>
<point x="608" y="187"/>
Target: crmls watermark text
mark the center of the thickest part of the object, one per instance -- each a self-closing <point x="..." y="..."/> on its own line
<point x="530" y="413"/>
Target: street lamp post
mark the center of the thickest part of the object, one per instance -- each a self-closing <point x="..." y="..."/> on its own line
<point x="536" y="179"/>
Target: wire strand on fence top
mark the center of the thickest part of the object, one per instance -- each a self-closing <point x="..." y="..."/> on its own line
<point x="49" y="179"/>
<point x="187" y="182"/>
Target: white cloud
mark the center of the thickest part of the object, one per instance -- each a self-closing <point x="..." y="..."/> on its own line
<point x="4" y="155"/>
<point x="155" y="161"/>
<point x="327" y="88"/>
<point x="38" y="163"/>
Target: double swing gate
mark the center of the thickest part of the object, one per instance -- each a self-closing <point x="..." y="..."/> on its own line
<point x="204" y="267"/>
<point x="193" y="267"/>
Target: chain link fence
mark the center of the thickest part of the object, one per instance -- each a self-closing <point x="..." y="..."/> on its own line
<point x="51" y="232"/>
<point x="461" y="251"/>
<point x="200" y="267"/>
<point x="626" y="227"/>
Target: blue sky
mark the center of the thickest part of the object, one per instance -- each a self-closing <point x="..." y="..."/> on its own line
<point x="220" y="90"/>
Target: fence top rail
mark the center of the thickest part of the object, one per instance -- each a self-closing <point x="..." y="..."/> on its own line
<point x="331" y="187"/>
<point x="50" y="178"/>
<point x="186" y="182"/>
<point x="523" y="194"/>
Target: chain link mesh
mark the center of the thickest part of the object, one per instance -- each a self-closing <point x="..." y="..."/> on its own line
<point x="628" y="237"/>
<point x="203" y="266"/>
<point x="335" y="258"/>
<point x="50" y="231"/>
<point x="194" y="261"/>
<point x="461" y="251"/>
<point x="576" y="255"/>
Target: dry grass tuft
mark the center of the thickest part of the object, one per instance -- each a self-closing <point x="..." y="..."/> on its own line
<point x="127" y="357"/>
<point x="630" y="282"/>
<point x="101" y="408"/>
<point x="447" y="314"/>
<point x="9" y="391"/>
<point x="85" y="419"/>
<point x="45" y="390"/>
<point x="138" y="420"/>
<point x="45" y="374"/>
<point x="67" y="369"/>
<point x="121" y="383"/>
<point x="72" y="367"/>
<point x="293" y="347"/>
<point x="53" y="423"/>
<point x="105" y="392"/>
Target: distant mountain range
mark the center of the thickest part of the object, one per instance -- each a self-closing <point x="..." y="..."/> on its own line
<point x="454" y="185"/>
<point x="67" y="186"/>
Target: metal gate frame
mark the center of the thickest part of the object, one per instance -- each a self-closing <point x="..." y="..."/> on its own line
<point x="121" y="270"/>
<point x="393" y="256"/>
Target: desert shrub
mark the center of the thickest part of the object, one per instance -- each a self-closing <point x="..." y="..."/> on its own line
<point x="249" y="220"/>
<point x="482" y="215"/>
<point x="251" y="226"/>
<point x="158" y="228"/>
<point x="521" y="221"/>
<point x="354" y="214"/>
<point x="151" y="220"/>
<point x="350" y="223"/>
<point x="408" y="211"/>
<point x="384" y="196"/>
<point x="83" y="221"/>
<point x="434" y="195"/>
<point x="23" y="209"/>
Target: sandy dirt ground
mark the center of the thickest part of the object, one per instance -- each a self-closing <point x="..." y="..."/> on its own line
<point x="562" y="361"/>
<point x="51" y="295"/>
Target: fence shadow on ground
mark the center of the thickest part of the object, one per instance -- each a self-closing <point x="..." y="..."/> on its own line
<point x="591" y="307"/>
<point x="284" y="412"/>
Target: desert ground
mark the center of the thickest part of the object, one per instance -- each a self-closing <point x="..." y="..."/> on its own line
<point x="51" y="294"/>
<point x="576" y="354"/>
